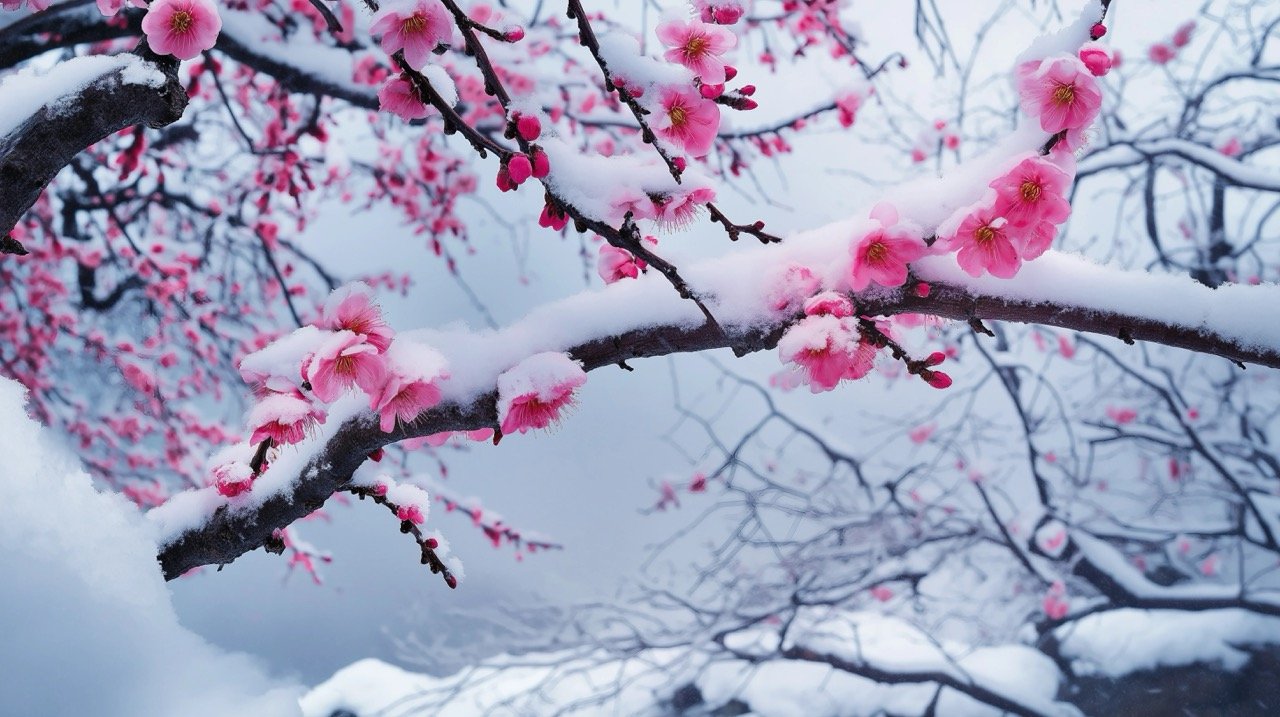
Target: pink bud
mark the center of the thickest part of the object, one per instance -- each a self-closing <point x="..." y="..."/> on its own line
<point x="541" y="165"/>
<point x="749" y="104"/>
<point x="504" y="180"/>
<point x="529" y="127"/>
<point x="515" y="34"/>
<point x="1098" y="30"/>
<point x="935" y="358"/>
<point x="711" y="92"/>
<point x="922" y="290"/>
<point x="680" y="163"/>
<point x="432" y="543"/>
<point x="376" y="456"/>
<point x="747" y="90"/>
<point x="727" y="15"/>
<point x="730" y="72"/>
<point x="451" y="581"/>
<point x="938" y="379"/>
<point x="519" y="168"/>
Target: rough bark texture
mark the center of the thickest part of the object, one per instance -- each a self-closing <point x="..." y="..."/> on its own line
<point x="37" y="150"/>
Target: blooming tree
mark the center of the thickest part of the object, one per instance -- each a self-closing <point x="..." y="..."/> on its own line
<point x="164" y="162"/>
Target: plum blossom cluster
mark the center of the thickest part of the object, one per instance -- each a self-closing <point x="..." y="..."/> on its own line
<point x="349" y="348"/>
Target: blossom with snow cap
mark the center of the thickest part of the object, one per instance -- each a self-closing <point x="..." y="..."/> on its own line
<point x="352" y="308"/>
<point x="345" y="358"/>
<point x="182" y="28"/>
<point x="1061" y="91"/>
<point x="827" y="350"/>
<point x="698" y="46"/>
<point x="533" y="393"/>
<point x="284" y="418"/>
<point x="687" y="119"/>
<point x="417" y="27"/>
<point x="232" y="478"/>
<point x="414" y="372"/>
<point x="882" y="254"/>
<point x="399" y="97"/>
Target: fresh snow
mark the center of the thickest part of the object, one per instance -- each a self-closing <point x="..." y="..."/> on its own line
<point x="26" y="91"/>
<point x="89" y="628"/>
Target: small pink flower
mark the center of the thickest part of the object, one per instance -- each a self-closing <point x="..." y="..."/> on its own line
<point x="698" y="46"/>
<point x="1182" y="36"/>
<point x="921" y="433"/>
<point x="232" y="478"/>
<point x="1060" y="91"/>
<point x="627" y="200"/>
<point x="1095" y="57"/>
<point x="677" y="211"/>
<point x="982" y="243"/>
<point x="412" y="384"/>
<point x="352" y="308"/>
<point x="847" y="104"/>
<point x="284" y="418"/>
<point x="1160" y="53"/>
<point x="1121" y="415"/>
<point x="182" y="28"/>
<point x="882" y="593"/>
<point x="415" y="26"/>
<point x="882" y="254"/>
<point x="399" y="97"/>
<point x="687" y="119"/>
<point x="616" y="264"/>
<point x="826" y="350"/>
<point x="109" y="8"/>
<point x="792" y="286"/>
<point x="828" y="303"/>
<point x="1033" y="191"/>
<point x="410" y="513"/>
<point x="1232" y="147"/>
<point x="533" y="393"/>
<point x="345" y="358"/>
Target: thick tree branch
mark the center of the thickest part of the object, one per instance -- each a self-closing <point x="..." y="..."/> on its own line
<point x="230" y="534"/>
<point x="63" y="126"/>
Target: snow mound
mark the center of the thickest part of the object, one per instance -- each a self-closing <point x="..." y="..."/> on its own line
<point x="88" y="626"/>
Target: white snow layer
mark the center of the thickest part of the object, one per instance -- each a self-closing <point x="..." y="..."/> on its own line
<point x="27" y="91"/>
<point x="85" y="617"/>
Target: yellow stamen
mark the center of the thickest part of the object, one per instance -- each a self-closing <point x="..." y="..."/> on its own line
<point x="416" y="22"/>
<point x="678" y="116"/>
<point x="984" y="235"/>
<point x="1064" y="94"/>
<point x="876" y="252"/>
<point x="696" y="46"/>
<point x="1030" y="191"/>
<point x="181" y="21"/>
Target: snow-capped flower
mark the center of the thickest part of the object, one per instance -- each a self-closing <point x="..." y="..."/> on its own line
<point x="415" y="26"/>
<point x="284" y="418"/>
<point x="182" y="28"/>
<point x="791" y="286"/>
<point x="1060" y="91"/>
<point x="826" y="350"/>
<point x="677" y="210"/>
<point x="698" y="46"/>
<point x="882" y="254"/>
<point x="721" y="12"/>
<point x="352" y="308"/>
<point x="345" y="358"/>
<point x="687" y="119"/>
<point x="232" y="478"/>
<point x="399" y="97"/>
<point x="532" y="394"/>
<point x="828" y="303"/>
<point x="412" y="382"/>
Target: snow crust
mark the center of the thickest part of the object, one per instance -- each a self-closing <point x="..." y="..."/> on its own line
<point x="25" y="92"/>
<point x="88" y="625"/>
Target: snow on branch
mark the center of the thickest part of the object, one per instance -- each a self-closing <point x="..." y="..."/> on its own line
<point x="643" y="318"/>
<point x="49" y="118"/>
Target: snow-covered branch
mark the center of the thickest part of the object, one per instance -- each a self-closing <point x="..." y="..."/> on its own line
<point x="49" y="118"/>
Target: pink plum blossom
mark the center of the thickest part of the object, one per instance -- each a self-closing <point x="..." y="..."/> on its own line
<point x="677" y="210"/>
<point x="1033" y="191"/>
<point x="232" y="478"/>
<point x="698" y="46"/>
<point x="882" y="254"/>
<point x="533" y="393"/>
<point x="284" y="418"/>
<point x="399" y="97"/>
<point x="1060" y="91"/>
<point x="687" y="119"/>
<point x="182" y="28"/>
<point x="1160" y="53"/>
<point x="109" y="8"/>
<point x="828" y="303"/>
<point x="352" y="308"/>
<point x="345" y="358"/>
<point x="616" y="264"/>
<point x="983" y="242"/>
<point x="826" y="350"/>
<point x="413" y="375"/>
<point x="415" y="26"/>
<point x="1096" y="57"/>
